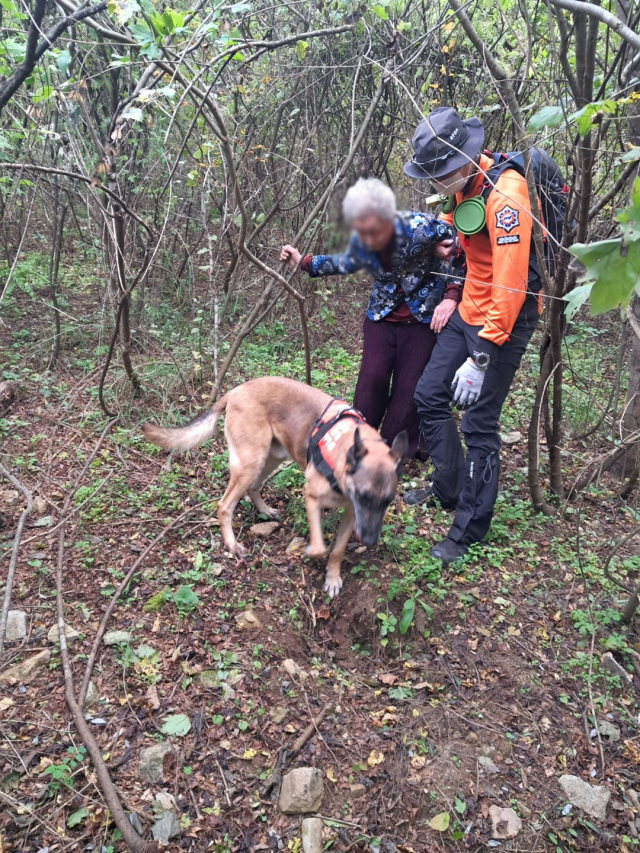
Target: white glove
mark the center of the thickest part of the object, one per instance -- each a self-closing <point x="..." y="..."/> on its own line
<point x="467" y="383"/>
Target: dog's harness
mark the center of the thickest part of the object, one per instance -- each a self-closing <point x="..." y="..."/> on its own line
<point x="328" y="429"/>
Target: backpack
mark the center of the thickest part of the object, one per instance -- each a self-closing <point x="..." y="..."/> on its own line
<point x="552" y="192"/>
<point x="325" y="434"/>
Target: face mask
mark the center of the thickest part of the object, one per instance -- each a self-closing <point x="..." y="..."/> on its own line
<point x="454" y="183"/>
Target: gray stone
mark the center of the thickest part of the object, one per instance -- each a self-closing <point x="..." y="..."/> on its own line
<point x="487" y="764"/>
<point x="301" y="791"/>
<point x="39" y="505"/>
<point x="592" y="799"/>
<point x="312" y="835"/>
<point x="113" y="637"/>
<point x="297" y="545"/>
<point x="278" y="715"/>
<point x="9" y="498"/>
<point x="54" y="634"/>
<point x="27" y="670"/>
<point x="16" y="625"/>
<point x="151" y="768"/>
<point x="166" y="828"/>
<point x="92" y="694"/>
<point x="265" y="528"/>
<point x="505" y="823"/>
<point x="357" y="790"/>
<point x="247" y="621"/>
<point x="607" y="729"/>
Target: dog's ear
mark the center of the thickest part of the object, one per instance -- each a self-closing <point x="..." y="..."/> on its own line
<point x="400" y="446"/>
<point x="355" y="453"/>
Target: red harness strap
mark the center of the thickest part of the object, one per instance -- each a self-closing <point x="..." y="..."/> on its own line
<point x="326" y="432"/>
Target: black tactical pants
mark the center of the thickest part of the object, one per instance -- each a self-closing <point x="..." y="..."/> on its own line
<point x="470" y="487"/>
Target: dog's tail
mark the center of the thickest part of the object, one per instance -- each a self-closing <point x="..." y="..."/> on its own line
<point x="192" y="435"/>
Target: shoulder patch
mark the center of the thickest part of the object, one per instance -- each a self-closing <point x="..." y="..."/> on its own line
<point x="507" y="218"/>
<point x="508" y="238"/>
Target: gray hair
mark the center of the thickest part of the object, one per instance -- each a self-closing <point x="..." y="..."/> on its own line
<point x="369" y="197"/>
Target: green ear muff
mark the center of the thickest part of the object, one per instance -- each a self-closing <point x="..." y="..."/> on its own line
<point x="470" y="216"/>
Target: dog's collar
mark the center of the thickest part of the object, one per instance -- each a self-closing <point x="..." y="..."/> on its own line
<point x="327" y="430"/>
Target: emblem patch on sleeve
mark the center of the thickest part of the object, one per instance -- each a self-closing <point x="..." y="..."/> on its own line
<point x="508" y="238"/>
<point x="507" y="219"/>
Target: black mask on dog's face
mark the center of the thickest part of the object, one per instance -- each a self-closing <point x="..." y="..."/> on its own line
<point x="371" y="487"/>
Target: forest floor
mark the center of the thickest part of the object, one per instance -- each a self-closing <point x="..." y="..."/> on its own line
<point x="444" y="692"/>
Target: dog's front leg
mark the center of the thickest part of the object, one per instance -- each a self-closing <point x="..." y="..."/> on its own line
<point x="333" y="580"/>
<point x="316" y="549"/>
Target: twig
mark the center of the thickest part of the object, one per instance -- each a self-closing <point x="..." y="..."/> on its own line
<point x="309" y="731"/>
<point x="591" y="703"/>
<point x="14" y="551"/>
<point x="129" y="835"/>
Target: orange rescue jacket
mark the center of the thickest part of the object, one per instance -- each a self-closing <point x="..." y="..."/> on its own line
<point x="498" y="256"/>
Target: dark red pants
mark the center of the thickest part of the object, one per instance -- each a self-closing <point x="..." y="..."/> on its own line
<point x="394" y="356"/>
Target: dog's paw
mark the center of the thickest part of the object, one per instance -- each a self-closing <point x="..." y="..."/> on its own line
<point x="332" y="585"/>
<point x="272" y="514"/>
<point x="238" y="550"/>
<point x="315" y="553"/>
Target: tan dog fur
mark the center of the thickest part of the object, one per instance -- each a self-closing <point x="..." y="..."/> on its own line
<point x="270" y="419"/>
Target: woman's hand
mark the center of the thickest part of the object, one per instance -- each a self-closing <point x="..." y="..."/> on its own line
<point x="290" y="254"/>
<point x="443" y="251"/>
<point x="442" y="314"/>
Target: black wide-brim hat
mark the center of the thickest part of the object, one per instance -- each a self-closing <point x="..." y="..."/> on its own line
<point x="444" y="143"/>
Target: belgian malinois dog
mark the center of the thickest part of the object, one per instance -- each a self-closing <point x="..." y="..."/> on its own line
<point x="270" y="419"/>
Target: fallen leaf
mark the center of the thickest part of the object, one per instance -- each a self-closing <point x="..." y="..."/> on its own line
<point x="331" y="776"/>
<point x="375" y="758"/>
<point x="440" y="822"/>
<point x="387" y="678"/>
<point x="323" y="612"/>
<point x="418" y="761"/>
<point x="248" y="754"/>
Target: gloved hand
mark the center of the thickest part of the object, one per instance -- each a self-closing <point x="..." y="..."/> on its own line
<point x="467" y="383"/>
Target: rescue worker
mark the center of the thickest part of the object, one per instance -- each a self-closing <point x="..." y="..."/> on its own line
<point x="479" y="350"/>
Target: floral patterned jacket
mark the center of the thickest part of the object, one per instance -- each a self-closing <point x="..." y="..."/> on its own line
<point x="416" y="275"/>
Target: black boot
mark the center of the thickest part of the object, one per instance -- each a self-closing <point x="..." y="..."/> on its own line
<point x="449" y="551"/>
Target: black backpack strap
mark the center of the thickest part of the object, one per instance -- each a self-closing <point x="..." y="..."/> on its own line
<point x="319" y="430"/>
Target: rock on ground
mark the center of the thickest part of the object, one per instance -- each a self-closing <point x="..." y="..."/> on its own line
<point x="24" y="672"/>
<point x="113" y="637"/>
<point x="487" y="764"/>
<point x="265" y="528"/>
<point x="505" y="823"/>
<point x="16" y="626"/>
<point x="592" y="799"/>
<point x="166" y="828"/>
<point x="151" y="767"/>
<point x="54" y="634"/>
<point x="92" y="694"/>
<point x="301" y="791"/>
<point x="248" y="621"/>
<point x="39" y="505"/>
<point x="297" y="545"/>
<point x="312" y="835"/>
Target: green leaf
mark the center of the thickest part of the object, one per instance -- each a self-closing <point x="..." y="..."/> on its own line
<point x="63" y="60"/>
<point x="77" y="817"/>
<point x="217" y="720"/>
<point x="122" y="10"/>
<point x="575" y="299"/>
<point x="133" y="113"/>
<point x="408" y="612"/>
<point x="380" y="12"/>
<point x="546" y="117"/>
<point x="177" y="724"/>
<point x="301" y="49"/>
<point x="141" y="32"/>
<point x="440" y="822"/>
<point x="243" y="725"/>
<point x="185" y="598"/>
<point x="614" y="269"/>
<point x="145" y="651"/>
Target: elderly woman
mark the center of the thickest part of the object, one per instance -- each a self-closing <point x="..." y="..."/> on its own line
<point x="411" y="301"/>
